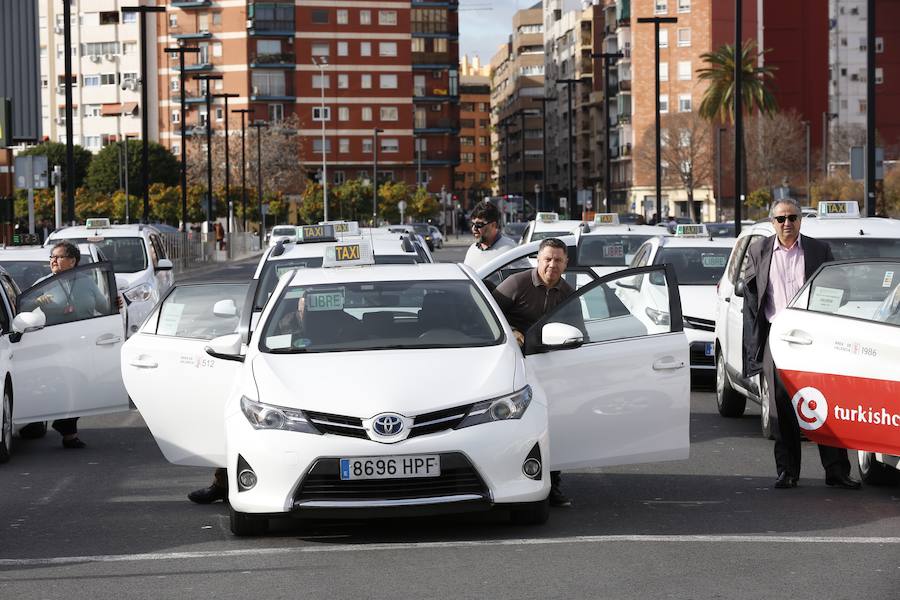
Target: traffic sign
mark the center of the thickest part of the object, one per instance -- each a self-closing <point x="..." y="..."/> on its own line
<point x="402" y="205"/>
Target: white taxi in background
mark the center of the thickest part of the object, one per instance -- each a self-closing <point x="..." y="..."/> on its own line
<point x="548" y="224"/>
<point x="283" y="233"/>
<point x="312" y="415"/>
<point x="699" y="262"/>
<point x="138" y="255"/>
<point x="837" y="350"/>
<point x="849" y="236"/>
<point x="610" y="246"/>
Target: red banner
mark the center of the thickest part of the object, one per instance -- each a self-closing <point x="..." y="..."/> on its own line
<point x="844" y="411"/>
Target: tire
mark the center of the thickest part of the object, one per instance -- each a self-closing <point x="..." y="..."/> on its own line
<point x="244" y="524"/>
<point x="535" y="513"/>
<point x="729" y="402"/>
<point x="6" y="427"/>
<point x="875" y="473"/>
<point x="33" y="431"/>
<point x="765" y="410"/>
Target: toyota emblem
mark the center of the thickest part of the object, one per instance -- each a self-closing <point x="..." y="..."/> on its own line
<point x="388" y="425"/>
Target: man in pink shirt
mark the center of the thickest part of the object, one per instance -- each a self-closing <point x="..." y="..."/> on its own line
<point x="778" y="266"/>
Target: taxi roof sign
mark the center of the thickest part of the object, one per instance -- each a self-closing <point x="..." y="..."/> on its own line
<point x="96" y="223"/>
<point x="546" y="217"/>
<point x="315" y="233"/>
<point x="606" y="219"/>
<point x="691" y="230"/>
<point x="839" y="210"/>
<point x="343" y="227"/>
<point x="349" y="254"/>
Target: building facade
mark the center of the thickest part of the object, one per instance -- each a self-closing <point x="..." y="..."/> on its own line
<point x="473" y="175"/>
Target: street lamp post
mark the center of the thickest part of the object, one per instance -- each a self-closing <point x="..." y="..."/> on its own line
<point x="244" y="112"/>
<point x="656" y="22"/>
<point x="719" y="132"/>
<point x="738" y="93"/>
<point x="70" y="143"/>
<point x="543" y="200"/>
<point x="569" y="84"/>
<point x="225" y="97"/>
<point x="181" y="52"/>
<point x="321" y="64"/>
<point x="145" y="148"/>
<point x="375" y="133"/>
<point x="259" y="124"/>
<point x="209" y="190"/>
<point x="808" y="176"/>
<point x="870" y="109"/>
<point x="606" y="57"/>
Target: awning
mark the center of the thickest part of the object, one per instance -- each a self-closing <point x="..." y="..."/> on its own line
<point x="111" y="110"/>
<point x="129" y="108"/>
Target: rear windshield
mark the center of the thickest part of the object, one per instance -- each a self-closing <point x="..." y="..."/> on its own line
<point x="609" y="250"/>
<point x="284" y="231"/>
<point x="695" y="266"/>
<point x="127" y="254"/>
<point x="540" y="235"/>
<point x="844" y="249"/>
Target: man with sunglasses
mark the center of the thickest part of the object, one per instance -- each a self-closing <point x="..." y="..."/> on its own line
<point x="777" y="267"/>
<point x="489" y="242"/>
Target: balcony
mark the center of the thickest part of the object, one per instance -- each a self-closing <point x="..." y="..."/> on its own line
<point x="623" y="12"/>
<point x="624" y="119"/>
<point x="432" y="61"/>
<point x="193" y="35"/>
<point x="441" y="126"/>
<point x="186" y="4"/>
<point x="197" y="67"/>
<point x="448" y="4"/>
<point x="625" y="150"/>
<point x="271" y="28"/>
<point x="624" y="85"/>
<point x="282" y="60"/>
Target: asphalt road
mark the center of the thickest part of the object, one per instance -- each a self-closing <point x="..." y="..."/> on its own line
<point x="112" y="521"/>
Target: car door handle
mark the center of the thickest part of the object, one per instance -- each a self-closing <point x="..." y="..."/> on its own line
<point x="105" y="340"/>
<point x="143" y="362"/>
<point x="666" y="364"/>
<point x="728" y="299"/>
<point x="795" y="339"/>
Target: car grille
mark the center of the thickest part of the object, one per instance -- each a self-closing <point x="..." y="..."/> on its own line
<point x="323" y="482"/>
<point x="698" y="355"/>
<point x="423" y="424"/>
<point x="439" y="420"/>
<point x="698" y="323"/>
<point x="337" y="424"/>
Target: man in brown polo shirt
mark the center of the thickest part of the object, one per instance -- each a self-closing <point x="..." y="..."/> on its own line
<point x="526" y="297"/>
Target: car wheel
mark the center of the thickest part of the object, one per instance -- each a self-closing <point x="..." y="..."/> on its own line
<point x="33" y="431"/>
<point x="246" y="524"/>
<point x="875" y="473"/>
<point x="765" y="409"/>
<point x="535" y="513"/>
<point x="6" y="428"/>
<point x="729" y="402"/>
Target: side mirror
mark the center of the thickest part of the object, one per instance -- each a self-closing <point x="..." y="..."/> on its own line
<point x="560" y="334"/>
<point x="225" y="308"/>
<point x="29" y="321"/>
<point x="226" y="347"/>
<point x="739" y="288"/>
<point x="164" y="264"/>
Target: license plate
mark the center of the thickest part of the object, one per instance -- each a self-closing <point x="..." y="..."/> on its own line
<point x="390" y="467"/>
<point x="709" y="348"/>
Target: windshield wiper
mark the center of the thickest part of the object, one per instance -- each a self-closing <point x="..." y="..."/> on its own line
<point x="287" y="350"/>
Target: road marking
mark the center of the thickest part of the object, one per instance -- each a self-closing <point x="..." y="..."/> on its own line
<point x="587" y="539"/>
<point x="54" y="491"/>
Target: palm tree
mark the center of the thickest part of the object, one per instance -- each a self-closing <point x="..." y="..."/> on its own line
<point x="718" y="100"/>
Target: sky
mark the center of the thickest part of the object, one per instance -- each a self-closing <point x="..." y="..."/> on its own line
<point x="482" y="31"/>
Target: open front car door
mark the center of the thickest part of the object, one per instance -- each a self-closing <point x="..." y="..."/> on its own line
<point x="613" y="362"/>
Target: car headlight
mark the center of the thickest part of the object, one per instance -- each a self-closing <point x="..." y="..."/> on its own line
<point x="267" y="416"/>
<point x="498" y="409"/>
<point x="140" y="293"/>
<point x="659" y="317"/>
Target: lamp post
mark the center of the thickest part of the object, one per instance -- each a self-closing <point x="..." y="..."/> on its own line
<point x="375" y="133"/>
<point x="321" y="64"/>
<point x="259" y="124"/>
<point x="543" y="200"/>
<point x="145" y="149"/>
<point x="806" y="131"/>
<point x="225" y="97"/>
<point x="719" y="132"/>
<point x="181" y="52"/>
<point x="209" y="190"/>
<point x="569" y="84"/>
<point x="870" y="108"/>
<point x="656" y="22"/>
<point x="244" y="112"/>
<point x="70" y="143"/>
<point x="606" y="57"/>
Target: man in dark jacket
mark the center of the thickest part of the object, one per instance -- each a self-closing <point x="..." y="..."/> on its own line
<point x="778" y="266"/>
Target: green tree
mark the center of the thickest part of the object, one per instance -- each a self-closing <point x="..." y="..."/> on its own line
<point x="389" y="195"/>
<point x="56" y="155"/>
<point x="718" y="99"/>
<point x="103" y="174"/>
<point x="423" y="205"/>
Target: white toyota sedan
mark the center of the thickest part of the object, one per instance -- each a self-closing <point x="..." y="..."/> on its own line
<point x="313" y="415"/>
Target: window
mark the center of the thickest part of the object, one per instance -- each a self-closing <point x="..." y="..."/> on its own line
<point x="684" y="70"/>
<point x="202" y="117"/>
<point x="92" y="141"/>
<point x="366" y="113"/>
<point x="387" y="17"/>
<point x="418" y="44"/>
<point x="663" y="38"/>
<point x="339" y="176"/>
<point x="129" y="47"/>
<point x="440" y="44"/>
<point x="176" y="116"/>
<point x="343" y="48"/>
<point x="879" y="45"/>
<point x="467" y="157"/>
<point x="862" y="107"/>
<point x="663" y="71"/>
<point x="660" y="7"/>
<point x="203" y="22"/>
<point x="663" y="103"/>
<point x="466" y="141"/>
<point x="276" y="113"/>
<point x="389" y="113"/>
<point x="365" y="48"/>
<point x="176" y="149"/>
<point x="684" y="37"/>
<point x="319" y="17"/>
<point x="217" y="18"/>
<point x="387" y="49"/>
<point x="317" y="145"/>
<point x="367" y="146"/>
<point x="112" y="17"/>
<point x="389" y="145"/>
<point x="173" y="20"/>
<point x="342" y="17"/>
<point x="387" y="81"/>
<point x="91" y="81"/>
<point x="365" y="81"/>
<point x="343" y="113"/>
<point x="418" y="85"/>
<point x="174" y="84"/>
<point x="879" y="75"/>
<point x="220" y="113"/>
<point x="268" y="84"/>
<point x="343" y="81"/>
<point x="321" y="48"/>
<point x="421" y="144"/>
<point x="217" y="49"/>
<point x="318" y="111"/>
<point x="99" y="48"/>
<point x="684" y="6"/>
<point x="321" y="81"/>
<point x="420" y="118"/>
<point x="92" y="110"/>
<point x="365" y="17"/>
<point x="684" y="103"/>
<point x="344" y="145"/>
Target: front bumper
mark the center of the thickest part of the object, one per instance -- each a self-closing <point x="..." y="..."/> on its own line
<point x="702" y="349"/>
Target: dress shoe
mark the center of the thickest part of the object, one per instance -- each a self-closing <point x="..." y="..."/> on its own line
<point x="208" y="495"/>
<point x="73" y="443"/>
<point x="843" y="481"/>
<point x="558" y="499"/>
<point x="785" y="481"/>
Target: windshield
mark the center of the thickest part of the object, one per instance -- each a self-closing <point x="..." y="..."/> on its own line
<point x="380" y="315"/>
<point x="609" y="250"/>
<point x="26" y="272"/>
<point x="421" y="229"/>
<point x="284" y="231"/>
<point x="695" y="266"/>
<point x="844" y="249"/>
<point x="539" y="235"/>
<point x="127" y="254"/>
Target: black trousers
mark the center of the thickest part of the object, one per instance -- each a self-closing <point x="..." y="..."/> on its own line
<point x="787" y="431"/>
<point x="66" y="426"/>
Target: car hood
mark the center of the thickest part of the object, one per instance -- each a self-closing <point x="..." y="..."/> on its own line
<point x="698" y="301"/>
<point x="126" y="281"/>
<point x="366" y="383"/>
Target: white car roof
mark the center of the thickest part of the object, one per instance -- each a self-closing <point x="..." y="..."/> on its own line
<point x="826" y="228"/>
<point x="34" y="253"/>
<point x="567" y="225"/>
<point x="80" y="231"/>
<point x="417" y="272"/>
<point x="671" y="241"/>
<point x="621" y="229"/>
<point x="387" y="245"/>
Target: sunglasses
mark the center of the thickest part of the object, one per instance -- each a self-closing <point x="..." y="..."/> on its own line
<point x="480" y="225"/>
<point x="58" y="256"/>
<point x="782" y="218"/>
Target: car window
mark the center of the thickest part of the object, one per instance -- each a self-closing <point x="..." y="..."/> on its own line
<point x="540" y="235"/>
<point x="288" y="231"/>
<point x="273" y="270"/>
<point x="862" y="290"/>
<point x="850" y="248"/>
<point x="736" y="255"/>
<point x="695" y="266"/>
<point x="609" y="250"/>
<point x="81" y="293"/>
<point x="10" y="291"/>
<point x="158" y="246"/>
<point x="188" y="311"/>
<point x="26" y="272"/>
<point x="127" y="254"/>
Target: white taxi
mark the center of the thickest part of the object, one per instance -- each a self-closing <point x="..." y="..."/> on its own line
<point x="312" y="414"/>
<point x="849" y="236"/>
<point x="699" y="261"/>
<point x="283" y="233"/>
<point x="610" y="246"/>
<point x="548" y="224"/>
<point x="837" y="350"/>
<point x="27" y="264"/>
<point x="143" y="272"/>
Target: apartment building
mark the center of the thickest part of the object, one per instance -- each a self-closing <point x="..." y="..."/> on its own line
<point x="105" y="72"/>
<point x="357" y="67"/>
<point x="472" y="180"/>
